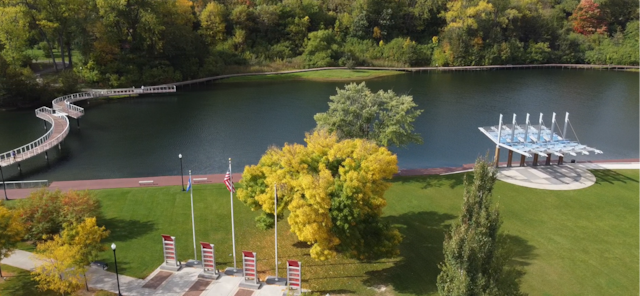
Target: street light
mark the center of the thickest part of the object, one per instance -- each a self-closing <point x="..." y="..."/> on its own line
<point x="4" y="185"/>
<point x="181" y="174"/>
<point x="113" y="247"/>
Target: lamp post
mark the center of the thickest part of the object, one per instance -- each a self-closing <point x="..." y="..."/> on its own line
<point x="181" y="174"/>
<point x="4" y="185"/>
<point x="113" y="247"/>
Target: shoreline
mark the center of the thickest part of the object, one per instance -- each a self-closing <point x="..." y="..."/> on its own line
<point x="164" y="181"/>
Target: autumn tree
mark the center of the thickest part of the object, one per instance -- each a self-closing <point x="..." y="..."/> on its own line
<point x="45" y="212"/>
<point x="212" y="20"/>
<point x="86" y="236"/>
<point x="588" y="19"/>
<point x="383" y="117"/>
<point x="476" y="257"/>
<point x="60" y="271"/>
<point x="11" y="232"/>
<point x="334" y="190"/>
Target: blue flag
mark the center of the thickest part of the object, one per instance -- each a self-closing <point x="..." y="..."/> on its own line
<point x="189" y="185"/>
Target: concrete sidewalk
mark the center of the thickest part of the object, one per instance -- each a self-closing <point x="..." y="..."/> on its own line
<point x="177" y="284"/>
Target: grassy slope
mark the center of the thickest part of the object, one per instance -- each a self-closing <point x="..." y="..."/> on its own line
<point x="324" y="75"/>
<point x="582" y="242"/>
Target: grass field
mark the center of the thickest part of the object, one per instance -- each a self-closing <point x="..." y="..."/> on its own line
<point x="582" y="242"/>
<point x="324" y="75"/>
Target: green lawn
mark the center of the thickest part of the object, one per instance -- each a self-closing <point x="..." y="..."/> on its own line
<point x="582" y="242"/>
<point x="38" y="54"/>
<point x="323" y="75"/>
<point x="19" y="283"/>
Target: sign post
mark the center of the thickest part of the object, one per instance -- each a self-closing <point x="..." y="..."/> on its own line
<point x="250" y="271"/>
<point x="294" y="276"/>
<point x="170" y="254"/>
<point x="209" y="270"/>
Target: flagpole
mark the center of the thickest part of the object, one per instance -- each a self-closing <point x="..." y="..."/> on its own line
<point x="233" y="231"/>
<point x="193" y="223"/>
<point x="275" y="216"/>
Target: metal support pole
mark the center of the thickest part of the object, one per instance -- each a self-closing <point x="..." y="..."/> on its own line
<point x="535" y="160"/>
<point x="526" y="131"/>
<point x="497" y="155"/>
<point x="564" y="130"/>
<point x="553" y="124"/>
<point x="510" y="157"/>
<point x="513" y="128"/>
<point x="548" y="160"/>
<point x="4" y="185"/>
<point x="539" y="127"/>
<point x="522" y="158"/>
<point x="275" y="216"/>
<point x="181" y="174"/>
<point x="115" y="260"/>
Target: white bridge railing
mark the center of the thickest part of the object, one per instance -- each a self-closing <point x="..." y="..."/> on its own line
<point x="41" y="144"/>
<point x="63" y="105"/>
<point x="25" y="184"/>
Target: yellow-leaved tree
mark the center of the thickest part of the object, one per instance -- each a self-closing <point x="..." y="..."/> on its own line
<point x="334" y="190"/>
<point x="86" y="236"/>
<point x="60" y="272"/>
<point x="11" y="232"/>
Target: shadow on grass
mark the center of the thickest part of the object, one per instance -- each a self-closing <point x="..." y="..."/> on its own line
<point x="421" y="252"/>
<point x="609" y="176"/>
<point x="123" y="230"/>
<point x="337" y="291"/>
<point x="21" y="284"/>
<point x="301" y="245"/>
<point x="434" y="181"/>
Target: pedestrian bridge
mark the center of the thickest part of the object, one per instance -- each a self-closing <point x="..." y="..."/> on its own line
<point x="57" y="117"/>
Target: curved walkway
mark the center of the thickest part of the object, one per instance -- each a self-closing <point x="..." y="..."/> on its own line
<point x="57" y="117"/>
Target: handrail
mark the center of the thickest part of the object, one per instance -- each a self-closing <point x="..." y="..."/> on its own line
<point x="60" y="106"/>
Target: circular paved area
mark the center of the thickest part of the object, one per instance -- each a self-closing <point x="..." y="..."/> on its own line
<point x="548" y="177"/>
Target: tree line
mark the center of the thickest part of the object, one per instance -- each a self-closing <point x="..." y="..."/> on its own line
<point x="123" y="43"/>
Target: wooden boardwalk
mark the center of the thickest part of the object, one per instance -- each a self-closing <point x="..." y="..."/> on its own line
<point x="57" y="118"/>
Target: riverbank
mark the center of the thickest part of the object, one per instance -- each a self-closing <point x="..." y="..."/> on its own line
<point x="323" y="75"/>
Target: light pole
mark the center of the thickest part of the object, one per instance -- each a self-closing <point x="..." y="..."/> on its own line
<point x="113" y="247"/>
<point x="181" y="174"/>
<point x="4" y="185"/>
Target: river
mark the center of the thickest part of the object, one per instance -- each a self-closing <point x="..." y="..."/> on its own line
<point x="142" y="137"/>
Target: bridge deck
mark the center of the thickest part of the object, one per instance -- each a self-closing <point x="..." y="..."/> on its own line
<point x="60" y="126"/>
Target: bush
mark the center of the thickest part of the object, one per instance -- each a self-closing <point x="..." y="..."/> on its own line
<point x="45" y="212"/>
<point x="322" y="49"/>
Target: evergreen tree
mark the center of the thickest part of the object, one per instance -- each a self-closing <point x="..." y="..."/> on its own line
<point x="476" y="259"/>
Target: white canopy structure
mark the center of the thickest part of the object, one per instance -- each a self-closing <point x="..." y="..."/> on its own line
<point x="533" y="140"/>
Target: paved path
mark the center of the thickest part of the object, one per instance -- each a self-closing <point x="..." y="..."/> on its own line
<point x="569" y="176"/>
<point x="176" y="285"/>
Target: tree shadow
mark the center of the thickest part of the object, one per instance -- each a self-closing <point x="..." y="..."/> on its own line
<point x="609" y="176"/>
<point x="124" y="230"/>
<point x="21" y="284"/>
<point x="336" y="291"/>
<point x="433" y="181"/>
<point x="421" y="251"/>
<point x="301" y="245"/>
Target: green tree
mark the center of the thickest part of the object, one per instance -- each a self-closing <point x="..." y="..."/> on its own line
<point x="11" y="232"/>
<point x="334" y="191"/>
<point x="476" y="257"/>
<point x="213" y="22"/>
<point x="383" y="117"/>
<point x="322" y="49"/>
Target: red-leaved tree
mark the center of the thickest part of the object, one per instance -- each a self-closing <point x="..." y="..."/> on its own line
<point x="588" y="19"/>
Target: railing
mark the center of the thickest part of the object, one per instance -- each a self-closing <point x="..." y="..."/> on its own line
<point x="62" y="105"/>
<point x="25" y="184"/>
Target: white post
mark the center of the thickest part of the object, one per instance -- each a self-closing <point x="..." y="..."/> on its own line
<point x="564" y="130"/>
<point x="553" y="124"/>
<point x="499" y="130"/>
<point x="275" y="216"/>
<point x="526" y="131"/>
<point x="539" y="127"/>
<point x="193" y="223"/>
<point x="233" y="227"/>
<point x="513" y="131"/>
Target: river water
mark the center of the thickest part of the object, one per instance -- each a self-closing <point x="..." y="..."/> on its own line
<point x="143" y="136"/>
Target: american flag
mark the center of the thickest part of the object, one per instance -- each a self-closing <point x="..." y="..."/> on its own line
<point x="228" y="182"/>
